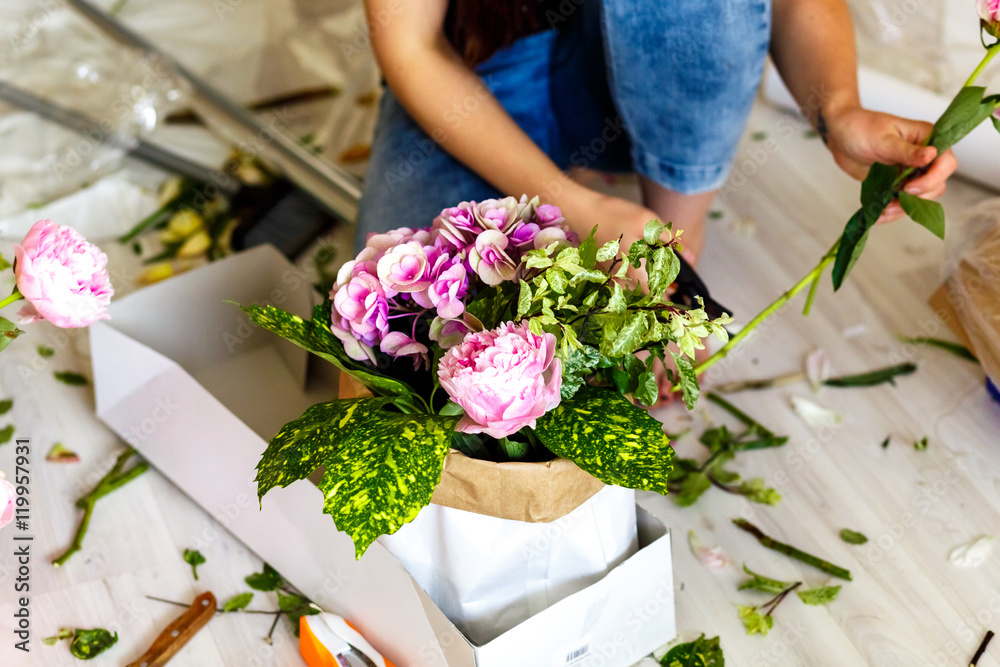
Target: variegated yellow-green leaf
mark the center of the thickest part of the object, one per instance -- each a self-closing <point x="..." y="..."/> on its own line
<point x="607" y="436"/>
<point x="384" y="472"/>
<point x="304" y="444"/>
<point x="316" y="337"/>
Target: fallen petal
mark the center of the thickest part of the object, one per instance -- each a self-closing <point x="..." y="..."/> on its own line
<point x="973" y="553"/>
<point x="713" y="557"/>
<point x="815" y="414"/>
<point x="817" y="368"/>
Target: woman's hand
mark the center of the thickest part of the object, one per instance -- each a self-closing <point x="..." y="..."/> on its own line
<point x="858" y="137"/>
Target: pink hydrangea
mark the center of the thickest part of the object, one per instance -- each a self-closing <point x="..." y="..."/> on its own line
<point x="504" y="379"/>
<point x="63" y="277"/>
<point x="398" y="344"/>
<point x="8" y="496"/>
<point x="488" y="259"/>
<point x="403" y="268"/>
<point x="362" y="304"/>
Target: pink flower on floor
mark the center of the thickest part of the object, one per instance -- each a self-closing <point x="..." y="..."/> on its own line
<point x="7" y="498"/>
<point x="63" y="277"/>
<point x="504" y="379"/>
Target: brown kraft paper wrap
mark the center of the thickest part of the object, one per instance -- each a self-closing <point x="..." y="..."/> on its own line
<point x="969" y="301"/>
<point x="531" y="492"/>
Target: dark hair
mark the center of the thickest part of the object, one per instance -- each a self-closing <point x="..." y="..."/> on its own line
<point x="479" y="28"/>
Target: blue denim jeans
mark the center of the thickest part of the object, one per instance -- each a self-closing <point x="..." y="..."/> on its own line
<point x="662" y="87"/>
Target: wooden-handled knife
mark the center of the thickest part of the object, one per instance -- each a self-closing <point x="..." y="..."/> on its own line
<point x="178" y="633"/>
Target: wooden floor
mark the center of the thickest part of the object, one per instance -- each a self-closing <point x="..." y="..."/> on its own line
<point x="907" y="606"/>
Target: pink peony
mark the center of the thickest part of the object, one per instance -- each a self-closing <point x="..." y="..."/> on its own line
<point x="504" y="379"/>
<point x="488" y="259"/>
<point x="63" y="277"/>
<point x="7" y="498"/>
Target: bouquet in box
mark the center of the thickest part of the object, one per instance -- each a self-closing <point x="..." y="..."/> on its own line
<point x="496" y="332"/>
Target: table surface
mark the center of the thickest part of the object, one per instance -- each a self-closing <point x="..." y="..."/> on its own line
<point x="906" y="606"/>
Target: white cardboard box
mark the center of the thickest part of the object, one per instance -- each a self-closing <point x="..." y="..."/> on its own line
<point x="183" y="377"/>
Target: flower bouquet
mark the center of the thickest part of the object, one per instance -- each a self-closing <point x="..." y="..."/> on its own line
<point x="493" y="332"/>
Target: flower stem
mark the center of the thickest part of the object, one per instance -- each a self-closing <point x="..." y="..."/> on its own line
<point x="114" y="479"/>
<point x="982" y="649"/>
<point x="15" y="296"/>
<point x="791" y="551"/>
<point x="991" y="52"/>
<point x="816" y="272"/>
<point x="774" y="602"/>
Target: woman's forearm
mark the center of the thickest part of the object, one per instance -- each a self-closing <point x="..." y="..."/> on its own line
<point x="813" y="49"/>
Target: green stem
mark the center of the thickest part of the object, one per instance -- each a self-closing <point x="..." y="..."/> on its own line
<point x="812" y="295"/>
<point x="217" y="610"/>
<point x="991" y="52"/>
<point x="791" y="551"/>
<point x="15" y="296"/>
<point x="774" y="602"/>
<point x="747" y="420"/>
<point x="767" y="312"/>
<point x="114" y="479"/>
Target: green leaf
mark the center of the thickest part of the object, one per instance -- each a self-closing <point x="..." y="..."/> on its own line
<point x="315" y="336"/>
<point x="755" y="622"/>
<point x="872" y="378"/>
<point x="193" y="558"/>
<point x="925" y="212"/>
<point x="608" y="251"/>
<point x="617" y="303"/>
<point x="648" y="391"/>
<point x="757" y="491"/>
<point x="852" y="244"/>
<point x="652" y="231"/>
<point x="6" y="433"/>
<point x="6" y="405"/>
<point x="8" y="332"/>
<point x="619" y="341"/>
<point x="266" y="580"/>
<point x="72" y="378"/>
<point x="852" y="537"/>
<point x="819" y="596"/>
<point x="763" y="584"/>
<point x="967" y="110"/>
<point x="88" y="644"/>
<point x="638" y="251"/>
<point x="699" y="653"/>
<point x="607" y="436"/>
<point x="688" y="379"/>
<point x="588" y="251"/>
<point x="957" y="349"/>
<point x="557" y="280"/>
<point x="383" y="472"/>
<point x="295" y="607"/>
<point x="661" y="269"/>
<point x="920" y="445"/>
<point x="877" y="190"/>
<point x="237" y="602"/>
<point x="45" y="351"/>
<point x="692" y="487"/>
<point x="4" y="264"/>
<point x="491" y="305"/>
<point x="523" y="301"/>
<point x="304" y="444"/>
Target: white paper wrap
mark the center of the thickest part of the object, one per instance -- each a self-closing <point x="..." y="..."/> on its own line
<point x="488" y="574"/>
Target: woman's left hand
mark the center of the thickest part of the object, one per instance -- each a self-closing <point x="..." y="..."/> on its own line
<point x="858" y="137"/>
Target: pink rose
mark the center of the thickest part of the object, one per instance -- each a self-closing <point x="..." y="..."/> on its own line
<point x="403" y="269"/>
<point x="488" y="259"/>
<point x="7" y="498"/>
<point x="989" y="10"/>
<point x="504" y="379"/>
<point x="63" y="277"/>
